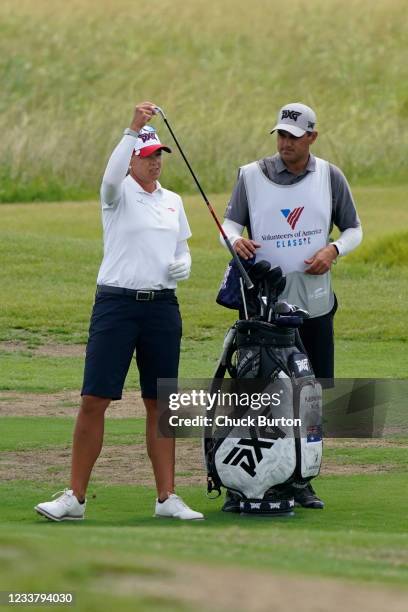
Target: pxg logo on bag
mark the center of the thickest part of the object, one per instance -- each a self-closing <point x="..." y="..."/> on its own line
<point x="300" y="366"/>
<point x="247" y="453"/>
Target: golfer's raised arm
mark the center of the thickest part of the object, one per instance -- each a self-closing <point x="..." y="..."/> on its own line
<point x="118" y="164"/>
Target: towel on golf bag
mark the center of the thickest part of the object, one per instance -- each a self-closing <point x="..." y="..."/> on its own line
<point x="253" y="459"/>
<point x="229" y="293"/>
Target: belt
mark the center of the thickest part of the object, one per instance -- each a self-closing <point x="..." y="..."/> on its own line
<point x="140" y="295"/>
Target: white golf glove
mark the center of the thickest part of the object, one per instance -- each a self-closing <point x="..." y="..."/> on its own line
<point x="179" y="270"/>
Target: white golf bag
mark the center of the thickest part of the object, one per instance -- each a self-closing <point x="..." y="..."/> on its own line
<point x="259" y="461"/>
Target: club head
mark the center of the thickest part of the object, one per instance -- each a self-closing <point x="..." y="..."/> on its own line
<point x="283" y="308"/>
<point x="258" y="271"/>
<point x="273" y="276"/>
<point x="158" y="110"/>
<point x="300" y="312"/>
<point x="273" y="282"/>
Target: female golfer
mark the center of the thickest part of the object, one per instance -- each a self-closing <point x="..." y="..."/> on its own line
<point x="145" y="254"/>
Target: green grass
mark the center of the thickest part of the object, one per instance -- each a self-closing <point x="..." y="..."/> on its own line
<point x="27" y="372"/>
<point x="357" y="537"/>
<point x="370" y="358"/>
<point x="393" y="458"/>
<point x="21" y="372"/>
<point x="29" y="433"/>
<point x="221" y="86"/>
<point x="24" y="433"/>
<point x="51" y="254"/>
<point x="60" y="116"/>
<point x="391" y="251"/>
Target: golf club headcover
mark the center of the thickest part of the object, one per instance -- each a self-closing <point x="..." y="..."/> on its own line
<point x="259" y="271"/>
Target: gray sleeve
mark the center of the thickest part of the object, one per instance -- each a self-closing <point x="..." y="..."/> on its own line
<point x="237" y="209"/>
<point x="344" y="213"/>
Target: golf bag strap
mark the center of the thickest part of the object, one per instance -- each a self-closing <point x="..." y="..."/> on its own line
<point x="211" y="487"/>
<point x="301" y="346"/>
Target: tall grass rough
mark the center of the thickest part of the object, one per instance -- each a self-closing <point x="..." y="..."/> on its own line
<point x="71" y="73"/>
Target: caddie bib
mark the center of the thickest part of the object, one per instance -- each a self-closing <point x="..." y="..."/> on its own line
<point x="291" y="223"/>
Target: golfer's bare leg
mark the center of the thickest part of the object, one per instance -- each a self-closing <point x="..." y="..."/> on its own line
<point x="161" y="452"/>
<point x="87" y="442"/>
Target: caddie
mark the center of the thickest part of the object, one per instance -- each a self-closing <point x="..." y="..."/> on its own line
<point x="289" y="203"/>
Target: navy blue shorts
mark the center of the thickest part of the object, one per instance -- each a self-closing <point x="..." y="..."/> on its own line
<point x="119" y="326"/>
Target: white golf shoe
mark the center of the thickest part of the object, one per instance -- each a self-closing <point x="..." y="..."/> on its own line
<point x="64" y="508"/>
<point x="174" y="507"/>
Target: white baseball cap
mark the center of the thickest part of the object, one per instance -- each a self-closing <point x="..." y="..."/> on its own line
<point x="296" y="118"/>
<point x="148" y="142"/>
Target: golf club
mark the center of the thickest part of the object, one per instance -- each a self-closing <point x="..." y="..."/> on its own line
<point x="279" y="285"/>
<point x="258" y="270"/>
<point x="257" y="273"/>
<point x="271" y="281"/>
<point x="241" y="284"/>
<point x="241" y="268"/>
<point x="283" y="308"/>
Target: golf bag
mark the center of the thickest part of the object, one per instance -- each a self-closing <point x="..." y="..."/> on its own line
<point x="258" y="459"/>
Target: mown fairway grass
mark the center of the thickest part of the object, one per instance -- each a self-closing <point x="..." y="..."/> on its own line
<point x="30" y="433"/>
<point x="72" y="71"/>
<point x="23" y="433"/>
<point x="50" y="255"/>
<point x="354" y="538"/>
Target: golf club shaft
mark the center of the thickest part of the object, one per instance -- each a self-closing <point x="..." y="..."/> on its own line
<point x="241" y="268"/>
<point x="241" y="284"/>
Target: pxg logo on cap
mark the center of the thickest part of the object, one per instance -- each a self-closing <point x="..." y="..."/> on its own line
<point x="296" y="118"/>
<point x="148" y="142"/>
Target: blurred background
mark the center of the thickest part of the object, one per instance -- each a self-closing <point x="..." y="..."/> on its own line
<point x="71" y="73"/>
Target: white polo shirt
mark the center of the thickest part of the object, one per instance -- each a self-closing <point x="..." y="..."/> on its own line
<point x="140" y="232"/>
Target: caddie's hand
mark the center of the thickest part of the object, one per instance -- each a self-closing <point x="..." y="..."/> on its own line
<point x="142" y="115"/>
<point x="321" y="261"/>
<point x="245" y="248"/>
<point x="179" y="270"/>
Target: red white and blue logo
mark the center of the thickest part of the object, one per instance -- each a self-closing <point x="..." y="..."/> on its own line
<point x="292" y="216"/>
